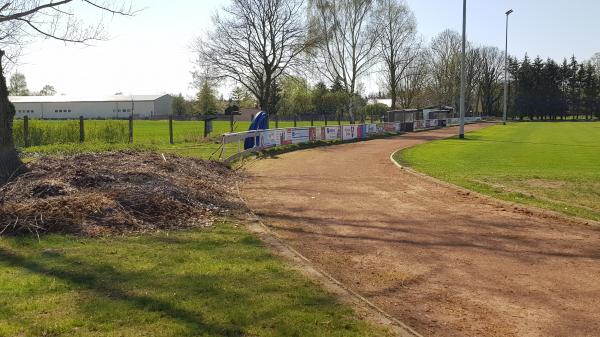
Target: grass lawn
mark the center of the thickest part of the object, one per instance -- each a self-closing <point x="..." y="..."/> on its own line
<point x="550" y="165"/>
<point x="212" y="282"/>
<point x="62" y="137"/>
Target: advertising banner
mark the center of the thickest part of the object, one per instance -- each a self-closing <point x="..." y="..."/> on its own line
<point x="272" y="138"/>
<point x="331" y="133"/>
<point x="372" y="129"/>
<point x="286" y="137"/>
<point x="300" y="135"/>
<point x="398" y="127"/>
<point x="313" y="134"/>
<point x="350" y="132"/>
<point x="362" y="131"/>
<point x="389" y="127"/>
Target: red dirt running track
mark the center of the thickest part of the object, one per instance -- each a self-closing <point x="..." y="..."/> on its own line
<point x="445" y="262"/>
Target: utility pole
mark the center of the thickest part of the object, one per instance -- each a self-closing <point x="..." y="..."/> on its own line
<point x="505" y="114"/>
<point x="461" y="134"/>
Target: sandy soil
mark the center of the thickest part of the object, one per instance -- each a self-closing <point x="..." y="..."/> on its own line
<point x="445" y="262"/>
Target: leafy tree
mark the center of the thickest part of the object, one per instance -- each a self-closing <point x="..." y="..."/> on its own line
<point x="48" y="90"/>
<point x="206" y="103"/>
<point x="318" y="98"/>
<point x="296" y="98"/>
<point x="18" y="85"/>
<point x="180" y="106"/>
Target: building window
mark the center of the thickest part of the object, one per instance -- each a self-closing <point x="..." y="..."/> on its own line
<point x="69" y="110"/>
<point x="56" y="111"/>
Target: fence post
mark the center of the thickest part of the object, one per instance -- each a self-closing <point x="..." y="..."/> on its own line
<point x="171" y="129"/>
<point x="325" y="118"/>
<point x="295" y="121"/>
<point x="130" y="129"/>
<point x="339" y="119"/>
<point x="231" y="123"/>
<point x="81" y="130"/>
<point x="277" y="122"/>
<point x="26" y="131"/>
<point x="312" y="120"/>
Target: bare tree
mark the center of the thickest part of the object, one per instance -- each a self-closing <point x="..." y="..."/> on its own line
<point x="21" y="20"/>
<point x="444" y="65"/>
<point x="413" y="82"/>
<point x="347" y="34"/>
<point x="491" y="72"/>
<point x="254" y="43"/>
<point x="398" y="46"/>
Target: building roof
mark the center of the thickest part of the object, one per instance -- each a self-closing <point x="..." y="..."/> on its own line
<point x="407" y="110"/>
<point x="386" y="101"/>
<point x="71" y="99"/>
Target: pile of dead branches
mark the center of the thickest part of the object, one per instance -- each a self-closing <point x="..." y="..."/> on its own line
<point x="93" y="194"/>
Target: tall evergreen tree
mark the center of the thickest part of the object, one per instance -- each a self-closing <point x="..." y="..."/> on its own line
<point x="206" y="104"/>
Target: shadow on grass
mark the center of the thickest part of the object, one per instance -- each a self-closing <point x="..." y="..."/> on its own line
<point x="103" y="280"/>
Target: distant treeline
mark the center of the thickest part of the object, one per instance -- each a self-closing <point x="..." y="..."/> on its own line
<point x="548" y="90"/>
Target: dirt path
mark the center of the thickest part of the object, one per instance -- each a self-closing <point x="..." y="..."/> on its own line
<point x="444" y="262"/>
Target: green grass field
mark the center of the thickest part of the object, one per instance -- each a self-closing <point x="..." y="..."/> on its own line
<point x="212" y="282"/>
<point x="62" y="137"/>
<point x="550" y="165"/>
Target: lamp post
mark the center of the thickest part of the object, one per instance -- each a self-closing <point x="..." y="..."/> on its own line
<point x="463" y="72"/>
<point x="504" y="116"/>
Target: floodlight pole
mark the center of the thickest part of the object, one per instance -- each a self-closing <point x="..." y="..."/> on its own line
<point x="463" y="72"/>
<point x="504" y="116"/>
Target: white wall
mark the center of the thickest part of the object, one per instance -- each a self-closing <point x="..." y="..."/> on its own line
<point x="89" y="110"/>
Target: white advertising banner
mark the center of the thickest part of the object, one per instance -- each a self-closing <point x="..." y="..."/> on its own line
<point x="318" y="133"/>
<point x="300" y="135"/>
<point x="331" y="132"/>
<point x="350" y="132"/>
<point x="272" y="138"/>
<point x="372" y="129"/>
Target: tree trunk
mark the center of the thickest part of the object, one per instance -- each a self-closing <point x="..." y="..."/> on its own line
<point x="10" y="164"/>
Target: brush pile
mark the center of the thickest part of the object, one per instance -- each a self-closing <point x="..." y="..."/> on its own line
<point x="112" y="193"/>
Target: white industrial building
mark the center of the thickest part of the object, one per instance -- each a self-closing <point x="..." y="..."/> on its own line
<point x="106" y="107"/>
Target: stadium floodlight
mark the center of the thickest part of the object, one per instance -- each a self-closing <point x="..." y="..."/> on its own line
<point x="463" y="73"/>
<point x="505" y="114"/>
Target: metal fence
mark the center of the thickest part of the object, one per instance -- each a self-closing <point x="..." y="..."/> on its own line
<point x="265" y="139"/>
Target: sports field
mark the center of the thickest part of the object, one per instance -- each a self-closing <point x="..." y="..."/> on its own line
<point x="550" y="165"/>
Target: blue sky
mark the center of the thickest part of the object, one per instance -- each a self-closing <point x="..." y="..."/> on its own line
<point x="150" y="53"/>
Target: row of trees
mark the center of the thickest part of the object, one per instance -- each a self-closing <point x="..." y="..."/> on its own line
<point x="547" y="90"/>
<point x="18" y="87"/>
<point x="257" y="44"/>
<point x="274" y="49"/>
